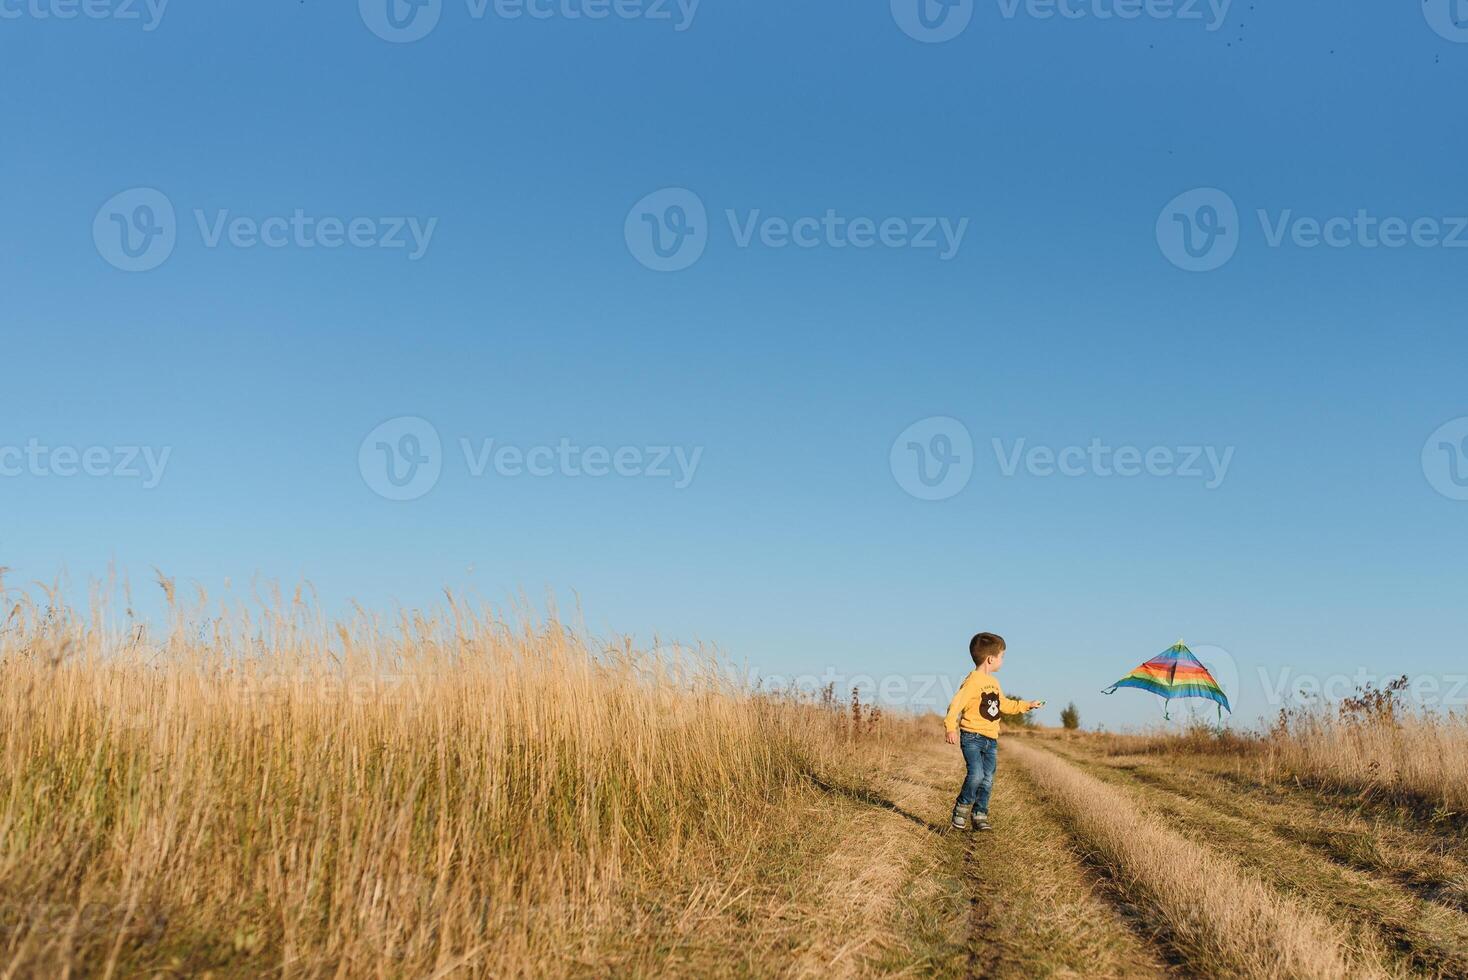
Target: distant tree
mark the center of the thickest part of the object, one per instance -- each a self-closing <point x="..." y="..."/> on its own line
<point x="1070" y="717"/>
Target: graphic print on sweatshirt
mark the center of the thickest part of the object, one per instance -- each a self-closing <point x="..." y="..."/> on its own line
<point x="989" y="705"/>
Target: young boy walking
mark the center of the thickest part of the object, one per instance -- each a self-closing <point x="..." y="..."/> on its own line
<point x="973" y="725"/>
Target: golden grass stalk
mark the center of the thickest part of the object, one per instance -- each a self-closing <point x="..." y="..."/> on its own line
<point x="1221" y="920"/>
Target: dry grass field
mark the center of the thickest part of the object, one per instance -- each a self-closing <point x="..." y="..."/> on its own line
<point x="274" y="794"/>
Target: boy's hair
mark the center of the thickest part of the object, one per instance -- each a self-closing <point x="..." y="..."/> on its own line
<point x="985" y="645"/>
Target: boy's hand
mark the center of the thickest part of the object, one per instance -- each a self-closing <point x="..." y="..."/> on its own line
<point x="952" y="738"/>
<point x="1032" y="705"/>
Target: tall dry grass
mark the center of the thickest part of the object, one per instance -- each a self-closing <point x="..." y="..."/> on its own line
<point x="1221" y="920"/>
<point x="270" y="792"/>
<point x="1372" y="743"/>
<point x="1416" y="758"/>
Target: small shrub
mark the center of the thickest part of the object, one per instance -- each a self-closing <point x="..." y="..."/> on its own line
<point x="1373" y="705"/>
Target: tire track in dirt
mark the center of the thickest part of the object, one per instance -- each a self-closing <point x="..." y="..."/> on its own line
<point x="1428" y="856"/>
<point x="1422" y="936"/>
<point x="1420" y="863"/>
<point x="1155" y="953"/>
<point x="1204" y="905"/>
<point x="986" y="950"/>
<point x="926" y="800"/>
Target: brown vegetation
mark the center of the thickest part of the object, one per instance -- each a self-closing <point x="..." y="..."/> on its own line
<point x="274" y="793"/>
<point x="271" y="793"/>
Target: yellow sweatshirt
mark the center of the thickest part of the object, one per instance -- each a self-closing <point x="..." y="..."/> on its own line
<point x="977" y="706"/>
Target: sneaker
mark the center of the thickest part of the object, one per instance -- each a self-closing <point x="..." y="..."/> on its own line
<point x="961" y="816"/>
<point x="981" y="821"/>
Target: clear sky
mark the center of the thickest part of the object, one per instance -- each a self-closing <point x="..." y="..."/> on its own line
<point x="1099" y="277"/>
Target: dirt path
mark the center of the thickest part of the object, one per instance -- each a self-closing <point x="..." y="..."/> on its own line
<point x="1430" y="858"/>
<point x="1114" y="867"/>
<point x="1211" y="912"/>
<point x="1033" y="906"/>
<point x="1418" y="935"/>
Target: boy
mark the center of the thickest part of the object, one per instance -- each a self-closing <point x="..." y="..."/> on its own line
<point x="975" y="710"/>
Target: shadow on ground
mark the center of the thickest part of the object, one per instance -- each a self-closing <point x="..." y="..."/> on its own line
<point x="873" y="799"/>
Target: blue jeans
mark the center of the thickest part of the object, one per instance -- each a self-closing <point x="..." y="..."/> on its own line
<point x="981" y="755"/>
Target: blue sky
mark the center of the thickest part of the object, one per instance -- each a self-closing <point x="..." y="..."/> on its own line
<point x="1073" y="152"/>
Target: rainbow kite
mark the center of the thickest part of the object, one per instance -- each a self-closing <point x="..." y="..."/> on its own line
<point x="1175" y="673"/>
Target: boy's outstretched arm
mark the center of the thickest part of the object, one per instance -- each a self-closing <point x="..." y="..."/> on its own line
<point x="1014" y="706"/>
